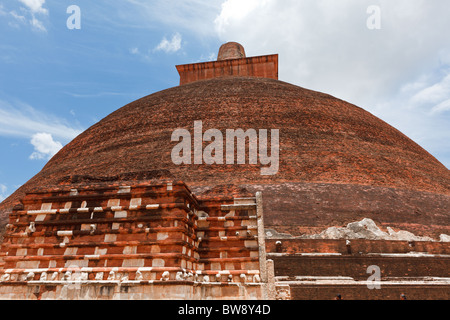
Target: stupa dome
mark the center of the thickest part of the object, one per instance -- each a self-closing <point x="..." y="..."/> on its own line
<point x="337" y="163"/>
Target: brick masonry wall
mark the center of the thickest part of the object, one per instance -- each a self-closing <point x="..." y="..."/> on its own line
<point x="356" y="266"/>
<point x="363" y="246"/>
<point x="144" y="237"/>
<point x="361" y="292"/>
<point x="259" y="67"/>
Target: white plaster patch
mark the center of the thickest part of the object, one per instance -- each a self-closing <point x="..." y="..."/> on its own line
<point x="113" y="203"/>
<point x="133" y="263"/>
<point x="120" y="214"/>
<point x="71" y="251"/>
<point x="228" y="224"/>
<point x="46" y="206"/>
<point x="110" y="237"/>
<point x="85" y="227"/>
<point x="124" y="189"/>
<point x="65" y="233"/>
<point x="100" y="252"/>
<point x="158" y="263"/>
<point x="250" y="243"/>
<point x="135" y="202"/>
<point x="216" y="266"/>
<point x="115" y="226"/>
<point x="40" y="217"/>
<point x="76" y="263"/>
<point x="162" y="236"/>
<point x="21" y="252"/>
<point x="130" y="250"/>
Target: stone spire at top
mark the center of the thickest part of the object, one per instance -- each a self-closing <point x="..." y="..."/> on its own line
<point x="231" y="50"/>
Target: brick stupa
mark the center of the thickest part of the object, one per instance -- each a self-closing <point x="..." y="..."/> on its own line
<point x="112" y="217"/>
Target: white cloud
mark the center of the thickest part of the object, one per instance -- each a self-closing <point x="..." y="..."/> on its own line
<point x="33" y="8"/>
<point x="419" y="110"/>
<point x="22" y="120"/>
<point x="36" y="6"/>
<point x="326" y="45"/>
<point x="395" y="72"/>
<point x="44" y="145"/>
<point x="170" y="46"/>
<point x="235" y="11"/>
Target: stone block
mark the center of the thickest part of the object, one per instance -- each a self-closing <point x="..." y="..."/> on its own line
<point x="120" y="214"/>
<point x="110" y="237"/>
<point x="133" y="263"/>
<point x="162" y="236"/>
<point x="113" y="203"/>
<point x="158" y="263"/>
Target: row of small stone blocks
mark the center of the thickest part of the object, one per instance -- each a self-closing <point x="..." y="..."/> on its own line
<point x="234" y="248"/>
<point x="131" y="196"/>
<point x="117" y="208"/>
<point x="43" y="217"/>
<point x="113" y="243"/>
<point x="92" y="227"/>
<point x="236" y="244"/>
<point x="140" y="260"/>
<point x="92" y="230"/>
<point x="127" y="274"/>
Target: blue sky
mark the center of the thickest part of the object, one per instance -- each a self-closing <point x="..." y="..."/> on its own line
<point x="56" y="82"/>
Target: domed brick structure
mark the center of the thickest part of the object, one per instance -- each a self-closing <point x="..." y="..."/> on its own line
<point x="336" y="163"/>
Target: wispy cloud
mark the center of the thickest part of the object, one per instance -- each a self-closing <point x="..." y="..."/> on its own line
<point x="19" y="119"/>
<point x="134" y="50"/>
<point x="441" y="107"/>
<point x="170" y="46"/>
<point x="18" y="17"/>
<point x="195" y="16"/>
<point x="435" y="95"/>
<point x="37" y="25"/>
<point x="30" y="12"/>
<point x="95" y="95"/>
